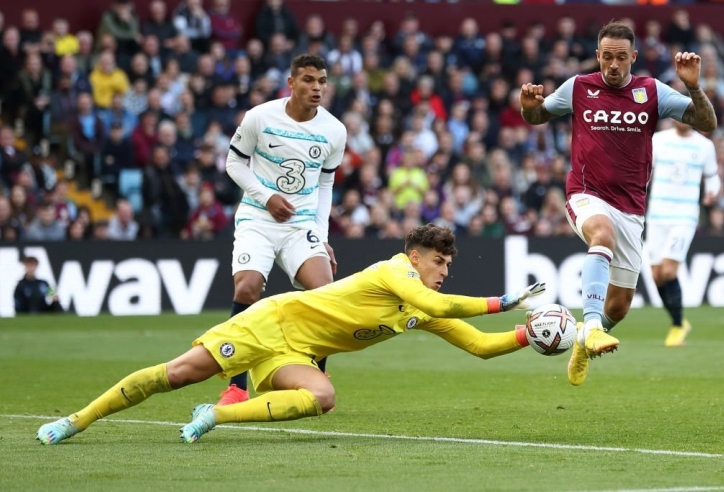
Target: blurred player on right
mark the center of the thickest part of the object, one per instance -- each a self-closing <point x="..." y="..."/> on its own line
<point x="681" y="156"/>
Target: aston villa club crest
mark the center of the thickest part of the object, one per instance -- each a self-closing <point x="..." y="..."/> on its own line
<point x="639" y="95"/>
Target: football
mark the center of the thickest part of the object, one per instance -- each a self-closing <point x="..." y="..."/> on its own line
<point x="551" y="329"/>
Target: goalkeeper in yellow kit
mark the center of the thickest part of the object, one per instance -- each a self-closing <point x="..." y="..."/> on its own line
<point x="279" y="339"/>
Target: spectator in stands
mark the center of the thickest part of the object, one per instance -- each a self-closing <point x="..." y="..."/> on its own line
<point x="121" y="226"/>
<point x="679" y="31"/>
<point x="117" y="154"/>
<point x="135" y="101"/>
<point x="144" y="137"/>
<point x="116" y="113"/>
<point x="139" y="69"/>
<point x="107" y="79"/>
<point x="469" y="46"/>
<point x="192" y="22"/>
<point x="208" y="219"/>
<point x="408" y="182"/>
<point x="35" y="89"/>
<point x="77" y="231"/>
<point x="30" y="32"/>
<point x="190" y="183"/>
<point x="40" y="172"/>
<point x="315" y="32"/>
<point x="163" y="198"/>
<point x="151" y="48"/>
<point x="87" y="136"/>
<point x="66" y="43"/>
<point x="33" y="295"/>
<point x="183" y="53"/>
<point x="275" y="17"/>
<point x="11" y="158"/>
<point x="224" y="27"/>
<point x="121" y="22"/>
<point x="65" y="209"/>
<point x="158" y="24"/>
<point x="10" y="226"/>
<point x="11" y="59"/>
<point x="85" y="58"/>
<point x="99" y="231"/>
<point x="44" y="227"/>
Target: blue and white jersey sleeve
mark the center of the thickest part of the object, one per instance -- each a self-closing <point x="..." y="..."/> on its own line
<point x="247" y="134"/>
<point x="561" y="101"/>
<point x="334" y="160"/>
<point x="672" y="104"/>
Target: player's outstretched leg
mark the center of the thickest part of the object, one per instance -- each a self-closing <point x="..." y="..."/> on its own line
<point x="129" y="391"/>
<point x="594" y="280"/>
<point x="275" y="406"/>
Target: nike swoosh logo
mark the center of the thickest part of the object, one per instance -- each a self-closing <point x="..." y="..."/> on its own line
<point x="314" y="246"/>
<point x="123" y="392"/>
<point x="268" y="407"/>
<point x="271" y="146"/>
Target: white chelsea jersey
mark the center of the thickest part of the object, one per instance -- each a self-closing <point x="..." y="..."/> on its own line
<point x="288" y="156"/>
<point x="679" y="163"/>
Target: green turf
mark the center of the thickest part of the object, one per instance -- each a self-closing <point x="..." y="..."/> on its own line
<point x="642" y="397"/>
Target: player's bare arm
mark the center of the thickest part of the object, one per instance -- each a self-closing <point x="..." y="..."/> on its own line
<point x="700" y="113"/>
<point x="531" y="105"/>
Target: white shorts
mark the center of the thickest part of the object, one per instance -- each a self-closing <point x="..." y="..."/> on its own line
<point x="668" y="241"/>
<point x="257" y="245"/>
<point x="629" y="228"/>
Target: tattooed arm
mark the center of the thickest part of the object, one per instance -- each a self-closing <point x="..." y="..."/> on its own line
<point x="700" y="113"/>
<point x="537" y="116"/>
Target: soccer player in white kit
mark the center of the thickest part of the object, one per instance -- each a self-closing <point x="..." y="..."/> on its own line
<point x="681" y="156"/>
<point x="284" y="155"/>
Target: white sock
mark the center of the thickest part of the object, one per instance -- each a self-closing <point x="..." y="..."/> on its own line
<point x="586" y="330"/>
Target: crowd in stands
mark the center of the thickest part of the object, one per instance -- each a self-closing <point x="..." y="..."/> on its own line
<point x="142" y="111"/>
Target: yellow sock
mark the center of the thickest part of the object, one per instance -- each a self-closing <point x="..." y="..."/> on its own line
<point x="270" y="407"/>
<point x="129" y="391"/>
<point x="491" y="345"/>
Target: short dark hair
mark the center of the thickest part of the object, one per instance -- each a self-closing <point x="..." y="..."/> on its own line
<point x="307" y="60"/>
<point x="430" y="236"/>
<point x="617" y="30"/>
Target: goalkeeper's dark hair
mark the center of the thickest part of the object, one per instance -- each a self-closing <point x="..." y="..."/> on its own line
<point x="307" y="60"/>
<point x="429" y="236"/>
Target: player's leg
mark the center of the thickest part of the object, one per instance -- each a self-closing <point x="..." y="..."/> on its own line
<point x="299" y="391"/>
<point x="590" y="218"/>
<point x="304" y="258"/>
<point x="252" y="260"/>
<point x="293" y="391"/>
<point x="194" y="366"/>
<point x="673" y="253"/>
<point x="316" y="272"/>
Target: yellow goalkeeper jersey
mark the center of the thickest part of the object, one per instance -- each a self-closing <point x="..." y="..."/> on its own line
<point x="374" y="305"/>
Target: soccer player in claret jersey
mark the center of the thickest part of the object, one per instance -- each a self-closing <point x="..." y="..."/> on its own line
<point x="283" y="155"/>
<point x="681" y="157"/>
<point x="280" y="338"/>
<point x="614" y="118"/>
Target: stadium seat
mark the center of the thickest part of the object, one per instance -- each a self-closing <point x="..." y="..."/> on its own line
<point x="129" y="186"/>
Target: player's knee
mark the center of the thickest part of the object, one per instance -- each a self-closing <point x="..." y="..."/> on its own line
<point x="245" y="293"/>
<point x="603" y="236"/>
<point x="179" y="374"/>
<point x="325" y="397"/>
<point x="617" y="311"/>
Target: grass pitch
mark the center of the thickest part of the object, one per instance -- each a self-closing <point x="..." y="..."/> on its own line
<point x="412" y="414"/>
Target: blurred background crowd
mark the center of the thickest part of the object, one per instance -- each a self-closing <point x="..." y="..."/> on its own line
<point x="139" y="115"/>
